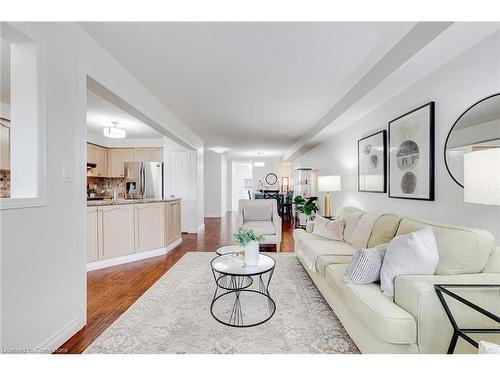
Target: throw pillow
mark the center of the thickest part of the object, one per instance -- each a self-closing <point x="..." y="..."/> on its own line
<point x="365" y="266"/>
<point x="410" y="254"/>
<point x="350" y="224"/>
<point x="332" y="229"/>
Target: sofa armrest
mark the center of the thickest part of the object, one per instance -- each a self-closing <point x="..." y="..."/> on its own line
<point x="276" y="218"/>
<point x="309" y="226"/>
<point x="416" y="295"/>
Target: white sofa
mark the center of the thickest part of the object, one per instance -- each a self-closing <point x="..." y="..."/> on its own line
<point x="262" y="216"/>
<point x="414" y="321"/>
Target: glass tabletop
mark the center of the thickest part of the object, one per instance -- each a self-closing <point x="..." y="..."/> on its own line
<point x="233" y="264"/>
<point x="230" y="249"/>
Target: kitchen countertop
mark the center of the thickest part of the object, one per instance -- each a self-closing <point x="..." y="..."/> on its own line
<point x="110" y="202"/>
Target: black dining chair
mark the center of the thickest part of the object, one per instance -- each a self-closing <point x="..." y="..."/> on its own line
<point x="275" y="194"/>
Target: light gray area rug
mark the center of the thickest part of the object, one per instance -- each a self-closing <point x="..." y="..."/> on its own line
<point x="173" y="316"/>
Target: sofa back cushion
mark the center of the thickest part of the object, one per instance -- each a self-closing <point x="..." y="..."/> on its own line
<point x="461" y="249"/>
<point x="384" y="229"/>
<point x="346" y="210"/>
<point x="258" y="209"/>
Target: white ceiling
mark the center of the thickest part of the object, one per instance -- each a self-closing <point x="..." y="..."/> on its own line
<point x="101" y="113"/>
<point x="4" y="71"/>
<point x="248" y="86"/>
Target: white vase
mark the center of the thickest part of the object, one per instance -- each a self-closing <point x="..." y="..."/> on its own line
<point x="252" y="253"/>
<point x="302" y="218"/>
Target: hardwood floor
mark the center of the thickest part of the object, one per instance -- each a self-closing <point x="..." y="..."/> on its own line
<point x="111" y="291"/>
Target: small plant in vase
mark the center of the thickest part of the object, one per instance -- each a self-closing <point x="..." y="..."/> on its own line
<point x="91" y="192"/>
<point x="250" y="241"/>
<point x="306" y="207"/>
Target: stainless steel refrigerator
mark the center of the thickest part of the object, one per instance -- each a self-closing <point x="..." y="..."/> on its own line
<point x="144" y="180"/>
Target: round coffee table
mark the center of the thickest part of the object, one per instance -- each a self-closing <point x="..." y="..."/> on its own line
<point x="230" y="249"/>
<point x="235" y="303"/>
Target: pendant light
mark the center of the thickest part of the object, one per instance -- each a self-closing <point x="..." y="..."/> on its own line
<point x="114" y="132"/>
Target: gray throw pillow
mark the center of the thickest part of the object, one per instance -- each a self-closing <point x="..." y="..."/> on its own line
<point x="365" y="266"/>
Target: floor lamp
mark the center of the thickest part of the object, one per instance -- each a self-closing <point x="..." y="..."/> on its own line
<point x="328" y="184"/>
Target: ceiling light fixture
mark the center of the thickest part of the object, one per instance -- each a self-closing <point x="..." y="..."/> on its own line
<point x="114" y="132"/>
<point x="218" y="149"/>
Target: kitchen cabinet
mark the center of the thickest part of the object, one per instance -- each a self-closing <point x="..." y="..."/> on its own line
<point x="115" y="167"/>
<point x="128" y="155"/>
<point x="149" y="226"/>
<point x="142" y="154"/>
<point x="173" y="221"/>
<point x="99" y="156"/>
<point x="92" y="237"/>
<point x="156" y="154"/>
<point x="4" y="147"/>
<point x="116" y="230"/>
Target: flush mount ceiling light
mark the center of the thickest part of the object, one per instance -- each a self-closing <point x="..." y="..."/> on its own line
<point x="218" y="149"/>
<point x="114" y="132"/>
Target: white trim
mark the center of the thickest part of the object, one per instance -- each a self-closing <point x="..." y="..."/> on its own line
<point x="60" y="336"/>
<point x="201" y="228"/>
<point x="214" y="215"/>
<point x="132" y="257"/>
<point x="41" y="180"/>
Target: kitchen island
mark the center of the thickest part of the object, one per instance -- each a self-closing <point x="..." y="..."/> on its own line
<point x="131" y="229"/>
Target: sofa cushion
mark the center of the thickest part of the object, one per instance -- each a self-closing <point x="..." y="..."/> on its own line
<point x="379" y="314"/>
<point x="461" y="250"/>
<point x="260" y="227"/>
<point x="310" y="251"/>
<point x="325" y="260"/>
<point x="258" y="211"/>
<point x="384" y="229"/>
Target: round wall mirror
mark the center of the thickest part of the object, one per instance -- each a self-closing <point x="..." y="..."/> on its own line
<point x="478" y="128"/>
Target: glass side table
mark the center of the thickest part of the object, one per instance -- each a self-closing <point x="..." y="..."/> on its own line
<point x="441" y="289"/>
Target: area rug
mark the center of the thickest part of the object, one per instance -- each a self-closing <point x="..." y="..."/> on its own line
<point x="173" y="316"/>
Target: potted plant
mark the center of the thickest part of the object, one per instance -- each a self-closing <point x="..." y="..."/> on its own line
<point x="306" y="208"/>
<point x="91" y="192"/>
<point x="249" y="240"/>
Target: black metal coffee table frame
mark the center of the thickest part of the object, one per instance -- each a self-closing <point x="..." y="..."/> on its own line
<point x="238" y="284"/>
<point x="462" y="332"/>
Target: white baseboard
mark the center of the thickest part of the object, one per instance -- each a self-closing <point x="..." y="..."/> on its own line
<point x="132" y="257"/>
<point x="213" y="215"/>
<point x="61" y="336"/>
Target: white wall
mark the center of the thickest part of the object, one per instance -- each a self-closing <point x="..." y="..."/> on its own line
<point x="213" y="186"/>
<point x="471" y="76"/>
<point x="223" y="185"/>
<point x="43" y="260"/>
<point x="5" y="110"/>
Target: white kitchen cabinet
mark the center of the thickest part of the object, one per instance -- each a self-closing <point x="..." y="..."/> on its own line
<point x="156" y="154"/>
<point x="128" y="155"/>
<point x="149" y="226"/>
<point x="115" y="168"/>
<point x="99" y="156"/>
<point x="173" y="215"/>
<point x="4" y="147"/>
<point x="142" y="154"/>
<point x="116" y="230"/>
<point x="92" y="236"/>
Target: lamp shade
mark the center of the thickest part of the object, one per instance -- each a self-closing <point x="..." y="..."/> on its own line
<point x="482" y="176"/>
<point x="329" y="183"/>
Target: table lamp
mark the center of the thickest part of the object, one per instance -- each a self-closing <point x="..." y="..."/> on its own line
<point x="327" y="184"/>
<point x="482" y="176"/>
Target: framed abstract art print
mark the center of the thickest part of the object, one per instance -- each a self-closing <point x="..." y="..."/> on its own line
<point x="411" y="154"/>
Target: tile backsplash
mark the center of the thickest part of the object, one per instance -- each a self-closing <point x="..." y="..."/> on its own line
<point x="100" y="184"/>
<point x="4" y="183"/>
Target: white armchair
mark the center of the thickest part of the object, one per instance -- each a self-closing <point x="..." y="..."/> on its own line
<point x="262" y="216"/>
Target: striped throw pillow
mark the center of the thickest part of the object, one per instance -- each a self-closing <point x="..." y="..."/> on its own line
<point x="365" y="266"/>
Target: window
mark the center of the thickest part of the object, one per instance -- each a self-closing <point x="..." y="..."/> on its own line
<point x="22" y="125"/>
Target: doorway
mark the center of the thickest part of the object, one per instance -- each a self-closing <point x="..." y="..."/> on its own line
<point x="241" y="181"/>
